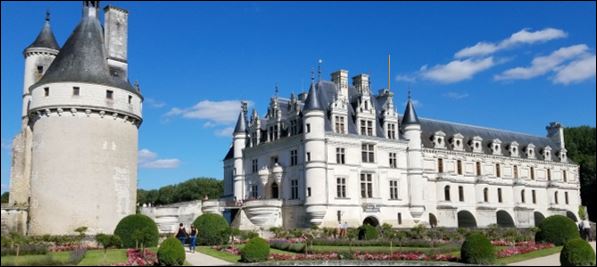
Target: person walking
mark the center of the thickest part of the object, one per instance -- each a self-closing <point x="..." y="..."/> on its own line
<point x="181" y="234"/>
<point x="193" y="237"/>
<point x="585" y="229"/>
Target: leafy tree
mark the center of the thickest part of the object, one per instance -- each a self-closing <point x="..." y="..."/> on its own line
<point x="192" y="189"/>
<point x="581" y="146"/>
<point x="5" y="197"/>
<point x="107" y="241"/>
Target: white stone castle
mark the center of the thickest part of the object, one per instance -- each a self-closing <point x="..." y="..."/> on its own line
<point x="75" y="159"/>
<point x="342" y="154"/>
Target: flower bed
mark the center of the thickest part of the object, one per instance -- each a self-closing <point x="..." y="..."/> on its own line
<point x="227" y="249"/>
<point x="135" y="259"/>
<point x="523" y="249"/>
<point x="412" y="256"/>
<point x="71" y="247"/>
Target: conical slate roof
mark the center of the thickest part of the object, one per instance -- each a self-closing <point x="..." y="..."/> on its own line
<point x="46" y="38"/>
<point x="312" y="101"/>
<point x="83" y="59"/>
<point x="410" y="116"/>
<point x="241" y="124"/>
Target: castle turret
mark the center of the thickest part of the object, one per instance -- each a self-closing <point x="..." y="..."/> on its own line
<point x="85" y="130"/>
<point x="315" y="167"/>
<point x="411" y="129"/>
<point x="240" y="142"/>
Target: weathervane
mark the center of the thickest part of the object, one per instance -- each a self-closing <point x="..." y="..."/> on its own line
<point x="319" y="69"/>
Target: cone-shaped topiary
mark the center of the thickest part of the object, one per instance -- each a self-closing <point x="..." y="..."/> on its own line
<point x="557" y="229"/>
<point x="212" y="229"/>
<point x="171" y="252"/>
<point x="256" y="250"/>
<point x="368" y="232"/>
<point x="137" y="230"/>
<point x="477" y="249"/>
<point x="577" y="252"/>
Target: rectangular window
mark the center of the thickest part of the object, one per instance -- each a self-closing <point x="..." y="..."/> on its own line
<point x="308" y="156"/>
<point x="363" y="127"/>
<point x="254" y="191"/>
<point x="367" y="153"/>
<point x="461" y="193"/>
<point x="564" y="176"/>
<point x="76" y="90"/>
<point x="40" y="69"/>
<point x="308" y="127"/>
<point x="566" y="197"/>
<point x="522" y="196"/>
<point x="339" y="216"/>
<point x="549" y="174"/>
<point x="366" y="185"/>
<point x="515" y="170"/>
<point x="339" y="124"/>
<point x="293" y="157"/>
<point x="532" y="173"/>
<point x="308" y="191"/>
<point x="370" y="128"/>
<point x="46" y="91"/>
<point x="393" y="160"/>
<point x="394" y="189"/>
<point x="130" y="99"/>
<point x="293" y="189"/>
<point x="341" y="187"/>
<point x="486" y="194"/>
<point x="399" y="218"/>
<point x="534" y="196"/>
<point x="478" y="164"/>
<point x="254" y="165"/>
<point x="391" y="131"/>
<point x="499" y="195"/>
<point x="440" y="165"/>
<point x="459" y="167"/>
<point x="340" y="157"/>
<point x="293" y="127"/>
<point x="109" y="94"/>
<point x="497" y="170"/>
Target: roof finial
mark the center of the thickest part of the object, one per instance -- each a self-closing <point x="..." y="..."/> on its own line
<point x="47" y="14"/>
<point x="319" y="69"/>
<point x="312" y="75"/>
<point x="388" y="71"/>
<point x="409" y="92"/>
<point x="276" y="90"/>
<point x="243" y="105"/>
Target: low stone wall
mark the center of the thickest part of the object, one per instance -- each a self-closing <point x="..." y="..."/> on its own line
<point x="167" y="217"/>
<point x="14" y="220"/>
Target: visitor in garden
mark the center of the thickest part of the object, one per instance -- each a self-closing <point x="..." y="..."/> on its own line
<point x="193" y="237"/>
<point x="182" y="234"/>
<point x="344" y="229"/>
<point x="585" y="229"/>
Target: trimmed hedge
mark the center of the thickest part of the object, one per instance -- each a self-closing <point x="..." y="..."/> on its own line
<point x="256" y="250"/>
<point x="557" y="229"/>
<point x="577" y="252"/>
<point x="477" y="249"/>
<point x="171" y="252"/>
<point x="368" y="232"/>
<point x="420" y="243"/>
<point x="287" y="246"/>
<point x="212" y="229"/>
<point x="130" y="227"/>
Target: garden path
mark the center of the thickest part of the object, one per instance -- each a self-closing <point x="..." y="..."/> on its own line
<point x="551" y="260"/>
<point x="200" y="259"/>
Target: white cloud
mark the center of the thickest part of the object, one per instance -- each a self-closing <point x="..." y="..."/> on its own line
<point x="149" y="160"/>
<point x="457" y="70"/>
<point x="154" y="103"/>
<point x="405" y="78"/>
<point x="225" y="132"/>
<point x="543" y="64"/>
<point x="576" y="71"/>
<point x="456" y="95"/>
<point x="521" y="37"/>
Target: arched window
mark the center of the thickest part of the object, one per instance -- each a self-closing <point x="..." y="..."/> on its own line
<point x="486" y="194"/>
<point x="447" y="193"/>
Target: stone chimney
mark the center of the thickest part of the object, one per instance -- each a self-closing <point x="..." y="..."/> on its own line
<point x="340" y="78"/>
<point x="555" y="132"/>
<point x="361" y="83"/>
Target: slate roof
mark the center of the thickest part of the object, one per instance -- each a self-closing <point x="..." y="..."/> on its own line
<point x="45" y="38"/>
<point x="83" y="59"/>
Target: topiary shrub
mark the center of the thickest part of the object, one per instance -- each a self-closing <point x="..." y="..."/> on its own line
<point x="256" y="250"/>
<point x="212" y="229"/>
<point x="368" y="232"/>
<point x="477" y="249"/>
<point x="171" y="252"/>
<point x="557" y="229"/>
<point x="137" y="230"/>
<point x="577" y="252"/>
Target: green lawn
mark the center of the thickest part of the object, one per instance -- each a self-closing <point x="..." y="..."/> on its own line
<point x="233" y="258"/>
<point x="60" y="258"/>
<point x="528" y="256"/>
<point x="96" y="257"/>
<point x="92" y="258"/>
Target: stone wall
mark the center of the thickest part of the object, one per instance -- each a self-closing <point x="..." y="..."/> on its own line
<point x="14" y="220"/>
<point x="167" y="217"/>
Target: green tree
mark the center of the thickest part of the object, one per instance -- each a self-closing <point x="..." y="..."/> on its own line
<point x="107" y="241"/>
<point x="193" y="189"/>
<point x="580" y="143"/>
<point x="5" y="197"/>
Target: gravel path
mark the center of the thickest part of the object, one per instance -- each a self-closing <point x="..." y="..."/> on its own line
<point x="551" y="260"/>
<point x="200" y="259"/>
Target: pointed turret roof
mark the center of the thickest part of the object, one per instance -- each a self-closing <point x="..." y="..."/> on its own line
<point x="45" y="38"/>
<point x="83" y="58"/>
<point x="312" y="102"/>
<point x="241" y="124"/>
<point x="410" y="116"/>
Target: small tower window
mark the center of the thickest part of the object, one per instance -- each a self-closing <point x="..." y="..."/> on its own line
<point x="47" y="91"/>
<point x="308" y="128"/>
<point x="76" y="91"/>
<point x="40" y="69"/>
<point x="109" y="94"/>
<point x="130" y="99"/>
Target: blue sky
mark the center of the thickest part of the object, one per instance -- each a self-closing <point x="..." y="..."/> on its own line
<point x="514" y="66"/>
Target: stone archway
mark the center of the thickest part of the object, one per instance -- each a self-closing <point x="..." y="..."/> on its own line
<point x="432" y="220"/>
<point x="571" y="215"/>
<point x="466" y="219"/>
<point x="504" y="219"/>
<point x="371" y="221"/>
<point x="538" y="217"/>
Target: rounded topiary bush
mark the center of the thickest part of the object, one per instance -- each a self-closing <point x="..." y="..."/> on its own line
<point x="557" y="229"/>
<point x="368" y="232"/>
<point x="171" y="252"/>
<point x="256" y="250"/>
<point x="477" y="249"/>
<point x="136" y="230"/>
<point x="212" y="229"/>
<point x="577" y="252"/>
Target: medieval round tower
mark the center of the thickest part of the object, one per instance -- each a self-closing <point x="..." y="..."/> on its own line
<point x="84" y="117"/>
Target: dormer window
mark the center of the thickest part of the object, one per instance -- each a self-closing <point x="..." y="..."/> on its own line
<point x="456" y="142"/>
<point x="562" y="155"/>
<point x="547" y="153"/>
<point x="339" y="124"/>
<point x="475" y="144"/>
<point x="513" y="148"/>
<point x="391" y="131"/>
<point x="496" y="147"/>
<point x="366" y="127"/>
<point x="530" y="151"/>
<point x="438" y="140"/>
